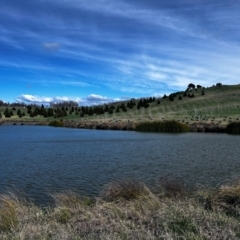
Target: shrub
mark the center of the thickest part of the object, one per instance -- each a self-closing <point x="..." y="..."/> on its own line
<point x="164" y="127"/>
<point x="56" y="123"/>
<point x="233" y="128"/>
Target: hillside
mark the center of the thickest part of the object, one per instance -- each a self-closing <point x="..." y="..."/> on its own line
<point x="217" y="105"/>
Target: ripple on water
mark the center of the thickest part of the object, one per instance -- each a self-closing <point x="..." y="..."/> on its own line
<point x="41" y="160"/>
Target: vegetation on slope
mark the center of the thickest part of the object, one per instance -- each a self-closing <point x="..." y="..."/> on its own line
<point x="216" y="105"/>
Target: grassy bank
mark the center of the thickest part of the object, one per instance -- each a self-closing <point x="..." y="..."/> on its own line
<point x="127" y="210"/>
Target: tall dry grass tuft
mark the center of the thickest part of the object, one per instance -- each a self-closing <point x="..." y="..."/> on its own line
<point x="227" y="198"/>
<point x="8" y="211"/>
<point x="170" y="187"/>
<point x="124" y="190"/>
<point x="71" y="199"/>
<point x="68" y="203"/>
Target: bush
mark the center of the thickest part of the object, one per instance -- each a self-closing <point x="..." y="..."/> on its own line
<point x="233" y="128"/>
<point x="164" y="127"/>
<point x="56" y="123"/>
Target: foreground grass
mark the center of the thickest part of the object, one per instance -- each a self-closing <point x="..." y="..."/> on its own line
<point x="127" y="210"/>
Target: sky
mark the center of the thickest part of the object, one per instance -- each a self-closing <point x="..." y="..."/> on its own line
<point x="101" y="51"/>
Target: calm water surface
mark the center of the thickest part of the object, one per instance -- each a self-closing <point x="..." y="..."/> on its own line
<point x="41" y="160"/>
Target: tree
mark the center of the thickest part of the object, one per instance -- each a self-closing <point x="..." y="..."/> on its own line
<point x="7" y="113"/>
<point x="171" y="98"/>
<point x="19" y="113"/>
<point x="90" y="112"/>
<point x="146" y="105"/>
<point x="203" y="93"/>
<point x="180" y="97"/>
<point x="106" y="108"/>
<point x="191" y="86"/>
<point x="199" y="86"/>
<point x="218" y="85"/>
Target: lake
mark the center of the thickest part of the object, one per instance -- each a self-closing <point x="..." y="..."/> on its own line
<point x="39" y="160"/>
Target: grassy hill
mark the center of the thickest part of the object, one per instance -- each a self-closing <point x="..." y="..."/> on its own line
<point x="214" y="105"/>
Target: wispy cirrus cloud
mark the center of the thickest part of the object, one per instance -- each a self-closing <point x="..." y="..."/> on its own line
<point x="51" y="47"/>
<point x="121" y="47"/>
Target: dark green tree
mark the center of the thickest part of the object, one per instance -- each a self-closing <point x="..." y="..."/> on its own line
<point x="7" y="113"/>
<point x="19" y="113"/>
<point x="164" y="96"/>
<point x="171" y="97"/>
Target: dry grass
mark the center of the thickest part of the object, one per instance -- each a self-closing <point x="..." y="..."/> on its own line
<point x="124" y="190"/>
<point x="227" y="199"/>
<point x="8" y="216"/>
<point x="169" y="187"/>
<point x="142" y="215"/>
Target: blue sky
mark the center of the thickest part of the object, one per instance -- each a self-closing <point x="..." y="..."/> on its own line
<point x="104" y="50"/>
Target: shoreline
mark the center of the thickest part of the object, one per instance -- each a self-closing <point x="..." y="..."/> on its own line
<point x="114" y="125"/>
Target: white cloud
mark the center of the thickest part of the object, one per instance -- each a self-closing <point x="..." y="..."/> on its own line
<point x="92" y="99"/>
<point x="46" y="100"/>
